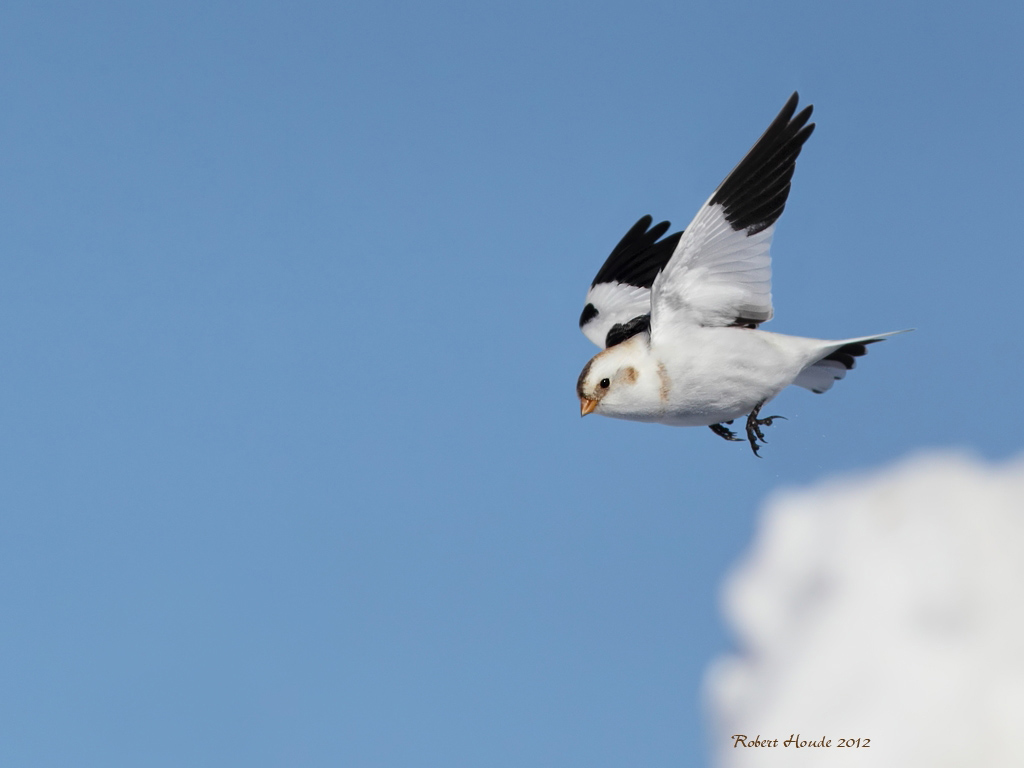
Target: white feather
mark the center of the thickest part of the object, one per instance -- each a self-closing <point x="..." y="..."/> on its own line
<point x="715" y="275"/>
<point x="821" y="376"/>
<point x="615" y="303"/>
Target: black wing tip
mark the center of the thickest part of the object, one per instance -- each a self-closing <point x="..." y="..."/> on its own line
<point x="589" y="313"/>
<point x="640" y="255"/>
<point x="788" y="111"/>
<point x="754" y="194"/>
<point x="620" y="332"/>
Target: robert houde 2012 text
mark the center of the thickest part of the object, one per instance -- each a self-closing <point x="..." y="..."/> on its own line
<point x="794" y="740"/>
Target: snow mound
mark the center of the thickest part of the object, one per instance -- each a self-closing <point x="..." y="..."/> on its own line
<point x="888" y="607"/>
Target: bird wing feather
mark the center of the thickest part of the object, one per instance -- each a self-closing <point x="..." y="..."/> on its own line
<point x="720" y="271"/>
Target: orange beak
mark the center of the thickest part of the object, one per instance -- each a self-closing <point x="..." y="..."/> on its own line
<point x="587" y="406"/>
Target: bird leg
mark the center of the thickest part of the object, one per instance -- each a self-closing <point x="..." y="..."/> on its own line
<point x="723" y="431"/>
<point x="754" y="425"/>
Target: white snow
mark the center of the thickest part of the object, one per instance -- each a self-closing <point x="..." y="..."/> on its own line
<point x="887" y="607"/>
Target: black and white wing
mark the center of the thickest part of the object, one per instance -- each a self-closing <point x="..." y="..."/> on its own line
<point x="720" y="273"/>
<point x="618" y="304"/>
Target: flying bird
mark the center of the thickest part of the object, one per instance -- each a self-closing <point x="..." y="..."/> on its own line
<point x="678" y="316"/>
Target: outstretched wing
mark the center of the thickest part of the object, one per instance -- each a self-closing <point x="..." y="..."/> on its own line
<point x="618" y="304"/>
<point x="720" y="272"/>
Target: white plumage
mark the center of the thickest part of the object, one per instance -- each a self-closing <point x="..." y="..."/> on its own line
<point x="678" y="316"/>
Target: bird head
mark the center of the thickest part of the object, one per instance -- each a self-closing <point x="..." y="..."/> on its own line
<point x="609" y="378"/>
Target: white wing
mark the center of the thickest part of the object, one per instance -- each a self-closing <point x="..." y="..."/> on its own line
<point x="720" y="272"/>
<point x="613" y="306"/>
<point x="618" y="303"/>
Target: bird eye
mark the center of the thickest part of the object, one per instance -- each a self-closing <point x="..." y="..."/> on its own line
<point x="605" y="383"/>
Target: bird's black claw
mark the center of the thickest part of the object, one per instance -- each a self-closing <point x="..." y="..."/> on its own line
<point x="754" y="425"/>
<point x="722" y="431"/>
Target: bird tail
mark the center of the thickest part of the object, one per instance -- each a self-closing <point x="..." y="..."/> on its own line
<point x="836" y="358"/>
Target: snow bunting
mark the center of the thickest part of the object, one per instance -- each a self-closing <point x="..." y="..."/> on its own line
<point x="678" y="317"/>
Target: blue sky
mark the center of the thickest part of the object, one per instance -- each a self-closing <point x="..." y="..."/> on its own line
<point x="292" y="469"/>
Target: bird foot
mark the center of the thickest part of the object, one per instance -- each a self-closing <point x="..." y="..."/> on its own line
<point x="754" y="425"/>
<point x="723" y="431"/>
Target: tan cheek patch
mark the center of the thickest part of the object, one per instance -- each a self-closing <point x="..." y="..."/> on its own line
<point x="631" y="375"/>
<point x="666" y="383"/>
